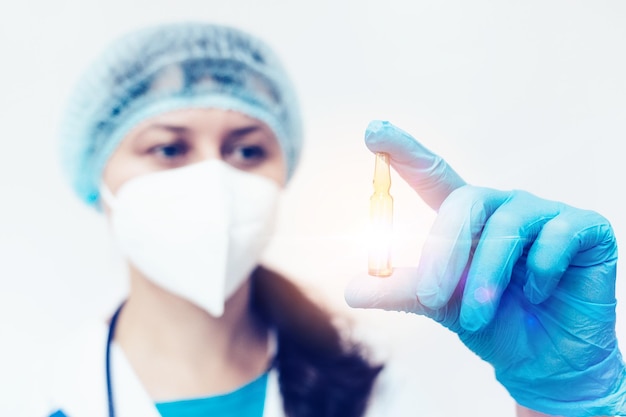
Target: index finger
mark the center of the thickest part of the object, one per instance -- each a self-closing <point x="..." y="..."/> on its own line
<point x="426" y="172"/>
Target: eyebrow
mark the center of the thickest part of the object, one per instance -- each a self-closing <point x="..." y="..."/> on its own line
<point x="242" y="131"/>
<point x="171" y="128"/>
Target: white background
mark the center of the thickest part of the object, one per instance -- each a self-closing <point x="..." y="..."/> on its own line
<point x="514" y="94"/>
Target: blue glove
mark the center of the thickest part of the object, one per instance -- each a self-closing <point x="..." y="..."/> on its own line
<point x="527" y="284"/>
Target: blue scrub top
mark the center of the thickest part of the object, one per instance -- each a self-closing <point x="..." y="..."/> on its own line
<point x="247" y="401"/>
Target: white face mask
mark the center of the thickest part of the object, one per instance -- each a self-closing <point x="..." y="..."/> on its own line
<point x="196" y="231"/>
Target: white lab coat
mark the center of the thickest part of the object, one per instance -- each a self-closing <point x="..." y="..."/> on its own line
<point x="76" y="384"/>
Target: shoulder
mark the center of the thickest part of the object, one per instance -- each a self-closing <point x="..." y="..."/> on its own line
<point x="394" y="392"/>
<point x="72" y="371"/>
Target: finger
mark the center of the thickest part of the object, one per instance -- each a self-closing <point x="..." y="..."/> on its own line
<point x="511" y="228"/>
<point x="426" y="172"/>
<point x="396" y="293"/>
<point x="575" y="238"/>
<point x="448" y="247"/>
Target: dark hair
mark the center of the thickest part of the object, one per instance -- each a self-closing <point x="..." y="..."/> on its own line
<point x="320" y="373"/>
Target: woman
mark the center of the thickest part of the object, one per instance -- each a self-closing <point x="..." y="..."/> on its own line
<point x="184" y="135"/>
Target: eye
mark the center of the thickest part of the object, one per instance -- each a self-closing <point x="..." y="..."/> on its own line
<point x="251" y="152"/>
<point x="246" y="155"/>
<point x="170" y="151"/>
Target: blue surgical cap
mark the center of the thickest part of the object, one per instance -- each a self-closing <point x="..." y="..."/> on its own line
<point x="171" y="67"/>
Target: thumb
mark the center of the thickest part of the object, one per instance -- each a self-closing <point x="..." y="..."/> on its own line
<point x="395" y="293"/>
<point x="398" y="293"/>
<point x="427" y="173"/>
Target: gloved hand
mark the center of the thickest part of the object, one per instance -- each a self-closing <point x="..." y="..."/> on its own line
<point x="527" y="284"/>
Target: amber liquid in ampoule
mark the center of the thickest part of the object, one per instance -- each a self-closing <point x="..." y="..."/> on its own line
<point x="381" y="219"/>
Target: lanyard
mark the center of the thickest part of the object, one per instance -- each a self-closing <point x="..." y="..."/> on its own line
<point x="107" y="363"/>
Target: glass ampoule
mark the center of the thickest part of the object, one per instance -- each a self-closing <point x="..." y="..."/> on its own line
<point x="381" y="219"/>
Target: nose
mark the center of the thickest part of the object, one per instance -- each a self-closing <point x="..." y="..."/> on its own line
<point x="208" y="147"/>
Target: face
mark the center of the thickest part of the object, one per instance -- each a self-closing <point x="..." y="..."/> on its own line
<point x="184" y="137"/>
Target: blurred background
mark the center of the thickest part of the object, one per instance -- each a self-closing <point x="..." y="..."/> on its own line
<point x="514" y="94"/>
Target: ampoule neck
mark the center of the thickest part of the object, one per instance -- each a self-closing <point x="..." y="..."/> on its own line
<point x="382" y="174"/>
